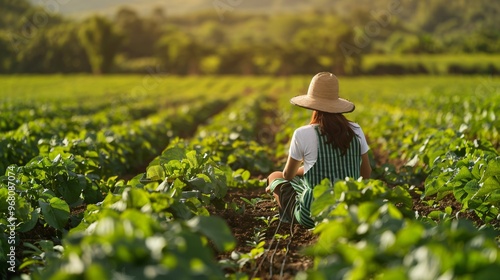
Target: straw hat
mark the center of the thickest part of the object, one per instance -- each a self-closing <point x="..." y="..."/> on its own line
<point x="323" y="95"/>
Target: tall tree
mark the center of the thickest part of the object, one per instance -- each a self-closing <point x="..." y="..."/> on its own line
<point x="101" y="43"/>
<point x="5" y="54"/>
<point x="180" y="53"/>
<point x="130" y="25"/>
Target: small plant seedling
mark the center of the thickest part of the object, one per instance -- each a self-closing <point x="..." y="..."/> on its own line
<point x="251" y="257"/>
<point x="233" y="206"/>
<point x="267" y="220"/>
<point x="259" y="236"/>
<point x="281" y="236"/>
<point x="252" y="202"/>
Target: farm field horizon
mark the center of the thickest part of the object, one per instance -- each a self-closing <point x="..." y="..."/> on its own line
<point x="157" y="175"/>
<point x="158" y="82"/>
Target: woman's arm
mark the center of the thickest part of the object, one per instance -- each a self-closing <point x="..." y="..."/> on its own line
<point x="292" y="168"/>
<point x="366" y="169"/>
<point x="300" y="171"/>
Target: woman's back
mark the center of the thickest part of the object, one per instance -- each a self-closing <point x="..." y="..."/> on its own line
<point x="332" y="164"/>
<point x="305" y="146"/>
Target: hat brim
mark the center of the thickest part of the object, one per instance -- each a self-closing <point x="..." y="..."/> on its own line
<point x="339" y="105"/>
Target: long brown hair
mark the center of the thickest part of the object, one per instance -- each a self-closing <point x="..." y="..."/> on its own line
<point x="336" y="127"/>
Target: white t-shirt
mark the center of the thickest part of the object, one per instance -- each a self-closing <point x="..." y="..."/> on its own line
<point x="304" y="144"/>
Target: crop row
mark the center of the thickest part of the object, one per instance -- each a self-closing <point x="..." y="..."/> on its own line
<point x="166" y="203"/>
<point x="65" y="175"/>
<point x="81" y="168"/>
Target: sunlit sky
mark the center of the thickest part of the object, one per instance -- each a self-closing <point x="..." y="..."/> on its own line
<point x="79" y="8"/>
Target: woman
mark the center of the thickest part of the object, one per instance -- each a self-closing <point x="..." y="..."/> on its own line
<point x="329" y="147"/>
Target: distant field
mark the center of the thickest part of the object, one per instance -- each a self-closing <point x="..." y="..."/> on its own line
<point x="440" y="64"/>
<point x="371" y="94"/>
<point x="28" y="88"/>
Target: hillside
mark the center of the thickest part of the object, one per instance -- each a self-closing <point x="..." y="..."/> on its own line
<point x="219" y="36"/>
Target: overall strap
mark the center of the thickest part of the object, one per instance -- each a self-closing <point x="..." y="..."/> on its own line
<point x="332" y="164"/>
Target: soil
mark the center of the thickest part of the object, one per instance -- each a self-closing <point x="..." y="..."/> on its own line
<point x="276" y="262"/>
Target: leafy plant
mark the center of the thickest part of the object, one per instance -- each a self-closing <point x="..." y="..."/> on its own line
<point x="268" y="220"/>
<point x="471" y="173"/>
<point x="124" y="244"/>
<point x="372" y="240"/>
<point x="252" y="202"/>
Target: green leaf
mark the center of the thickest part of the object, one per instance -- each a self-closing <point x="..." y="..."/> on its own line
<point x="324" y="200"/>
<point x="493" y="168"/>
<point x="488" y="186"/>
<point x="215" y="229"/>
<point x="55" y="212"/>
<point x="47" y="194"/>
<point x="97" y="271"/>
<point x="173" y="154"/>
<point x="436" y="214"/>
<point x="366" y="211"/>
<point x="408" y="236"/>
<point x="476" y="169"/>
<point x="245" y="175"/>
<point x="155" y="172"/>
<point x="46" y="245"/>
<point x="4" y="205"/>
<point x="472" y="186"/>
<point x="142" y="222"/>
<point x="174" y="169"/>
<point x="180" y="211"/>
<point x="494" y="198"/>
<point x="136" y="198"/>
<point x="392" y="210"/>
<point x="30" y="224"/>
<point x="92" y="194"/>
<point x="70" y="190"/>
<point x="460" y="194"/>
<point x="190" y="194"/>
<point x="200" y="184"/>
<point x="191" y="157"/>
<point x="463" y="174"/>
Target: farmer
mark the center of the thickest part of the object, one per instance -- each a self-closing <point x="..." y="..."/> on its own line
<point x="329" y="147"/>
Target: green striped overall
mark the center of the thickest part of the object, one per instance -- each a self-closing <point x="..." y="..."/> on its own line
<point x="330" y="164"/>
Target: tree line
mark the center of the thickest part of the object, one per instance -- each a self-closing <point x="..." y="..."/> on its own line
<point x="36" y="40"/>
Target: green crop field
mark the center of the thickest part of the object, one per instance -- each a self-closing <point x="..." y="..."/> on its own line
<point x="122" y="177"/>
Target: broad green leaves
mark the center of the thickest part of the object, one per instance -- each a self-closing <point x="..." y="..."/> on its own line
<point x="215" y="229"/>
<point x="334" y="199"/>
<point x="471" y="174"/>
<point x="126" y="243"/>
<point x="181" y="170"/>
<point x="156" y="173"/>
<point x="55" y="212"/>
<point x="363" y="234"/>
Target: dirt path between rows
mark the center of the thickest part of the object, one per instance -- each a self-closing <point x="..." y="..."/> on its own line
<point x="248" y="223"/>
